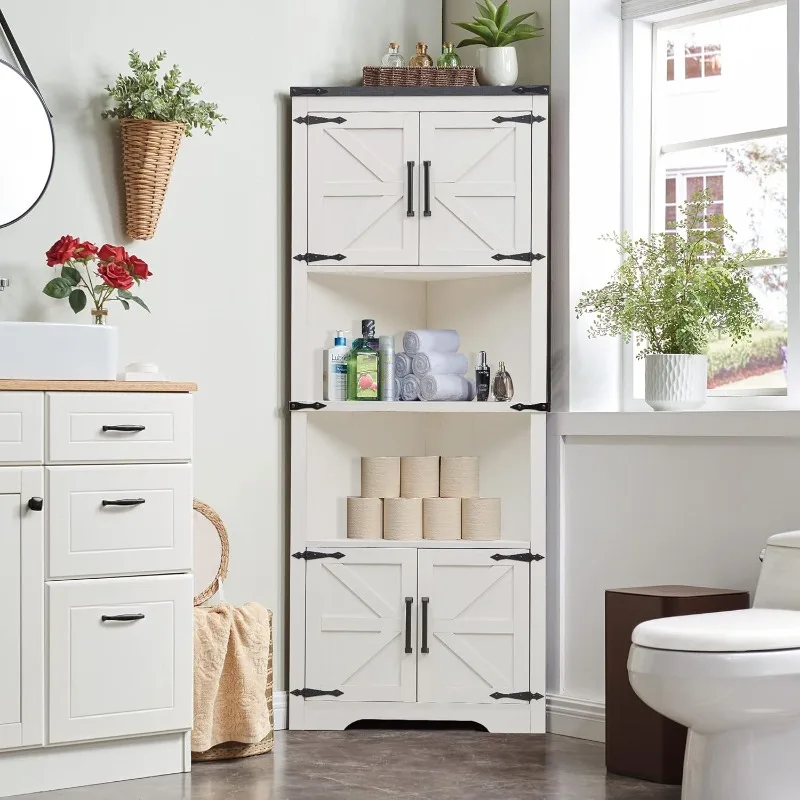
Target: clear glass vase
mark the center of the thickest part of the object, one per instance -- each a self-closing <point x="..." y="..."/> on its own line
<point x="99" y="316"/>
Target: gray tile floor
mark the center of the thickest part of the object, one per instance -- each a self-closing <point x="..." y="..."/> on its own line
<point x="384" y="765"/>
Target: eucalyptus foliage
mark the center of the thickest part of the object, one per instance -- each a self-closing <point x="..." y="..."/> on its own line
<point x="676" y="288"/>
<point x="142" y="95"/>
<point x="493" y="28"/>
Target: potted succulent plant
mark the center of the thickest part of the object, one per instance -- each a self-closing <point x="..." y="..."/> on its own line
<point x="497" y="60"/>
<point x="154" y="114"/>
<point x="671" y="292"/>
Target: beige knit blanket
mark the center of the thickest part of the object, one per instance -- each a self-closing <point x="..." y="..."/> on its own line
<point x="231" y="660"/>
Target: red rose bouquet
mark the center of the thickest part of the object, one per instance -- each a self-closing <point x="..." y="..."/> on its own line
<point x="105" y="274"/>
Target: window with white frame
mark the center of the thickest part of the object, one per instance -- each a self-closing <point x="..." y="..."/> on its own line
<point x="731" y="142"/>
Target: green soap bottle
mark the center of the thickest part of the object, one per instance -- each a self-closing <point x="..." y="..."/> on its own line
<point x="363" y="365"/>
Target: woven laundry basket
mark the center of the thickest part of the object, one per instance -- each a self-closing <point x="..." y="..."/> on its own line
<point x="227" y="750"/>
<point x="149" y="148"/>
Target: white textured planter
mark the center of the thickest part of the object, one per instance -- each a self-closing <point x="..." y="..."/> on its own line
<point x="675" y="382"/>
<point x="497" y="66"/>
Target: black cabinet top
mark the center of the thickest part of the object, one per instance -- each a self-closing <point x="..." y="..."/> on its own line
<point x="412" y="91"/>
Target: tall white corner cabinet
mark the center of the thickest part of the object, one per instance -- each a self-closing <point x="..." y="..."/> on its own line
<point x="419" y="208"/>
<point x="95" y="582"/>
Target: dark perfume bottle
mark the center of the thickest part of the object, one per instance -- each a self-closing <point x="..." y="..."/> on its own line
<point x="503" y="388"/>
<point x="482" y="378"/>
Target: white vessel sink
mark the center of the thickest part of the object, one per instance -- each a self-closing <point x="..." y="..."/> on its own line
<point x="51" y="351"/>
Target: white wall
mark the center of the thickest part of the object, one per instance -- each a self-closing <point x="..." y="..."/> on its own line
<point x="219" y="258"/>
<point x="533" y="54"/>
<point x="671" y="510"/>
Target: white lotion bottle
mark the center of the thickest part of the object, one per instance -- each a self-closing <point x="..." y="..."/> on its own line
<point x="334" y="375"/>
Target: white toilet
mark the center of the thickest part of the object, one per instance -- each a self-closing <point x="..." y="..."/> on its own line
<point x="733" y="679"/>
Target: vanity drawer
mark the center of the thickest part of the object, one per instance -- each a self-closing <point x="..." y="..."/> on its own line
<point x="106" y="427"/>
<point x="21" y="427"/>
<point x="112" y="678"/>
<point x="127" y="520"/>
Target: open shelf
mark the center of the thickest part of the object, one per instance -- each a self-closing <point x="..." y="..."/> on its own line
<point x="429" y="273"/>
<point x="497" y="544"/>
<point x="334" y="445"/>
<point x="418" y="407"/>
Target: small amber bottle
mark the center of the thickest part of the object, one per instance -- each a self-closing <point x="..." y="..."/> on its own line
<point x="421" y="59"/>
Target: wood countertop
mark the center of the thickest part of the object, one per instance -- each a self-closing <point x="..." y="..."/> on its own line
<point x="96" y="386"/>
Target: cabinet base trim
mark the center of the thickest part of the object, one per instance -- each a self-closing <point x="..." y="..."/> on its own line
<point x="323" y="715"/>
<point x="70" y="766"/>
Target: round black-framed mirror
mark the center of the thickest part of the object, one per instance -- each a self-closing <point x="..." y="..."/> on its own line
<point x="27" y="146"/>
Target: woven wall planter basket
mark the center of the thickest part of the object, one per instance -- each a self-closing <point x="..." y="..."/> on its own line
<point x="149" y="148"/>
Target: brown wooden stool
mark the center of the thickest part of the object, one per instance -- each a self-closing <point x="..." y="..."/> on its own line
<point x="640" y="743"/>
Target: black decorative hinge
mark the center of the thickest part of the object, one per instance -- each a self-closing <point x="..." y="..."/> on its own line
<point x="528" y="696"/>
<point x="530" y="407"/>
<point x="304" y="91"/>
<point x="529" y="257"/>
<point x="310" y="119"/>
<point x="313" y="555"/>
<point x="310" y="258"/>
<point x="306" y="693"/>
<point x="294" y="405"/>
<point x="526" y="557"/>
<point x="525" y="119"/>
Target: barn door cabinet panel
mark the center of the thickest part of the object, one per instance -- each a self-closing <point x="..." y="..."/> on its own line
<point x="418" y="208"/>
<point x="95" y="643"/>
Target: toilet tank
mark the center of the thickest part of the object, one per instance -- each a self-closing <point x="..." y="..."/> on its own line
<point x="779" y="581"/>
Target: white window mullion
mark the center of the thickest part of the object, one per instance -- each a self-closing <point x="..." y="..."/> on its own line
<point x="793" y="201"/>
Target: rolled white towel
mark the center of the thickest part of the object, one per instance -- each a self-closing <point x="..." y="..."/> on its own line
<point x="431" y="341"/>
<point x="402" y="365"/>
<point x="398" y="388"/>
<point x="446" y="387"/>
<point x="440" y="364"/>
<point x="409" y="387"/>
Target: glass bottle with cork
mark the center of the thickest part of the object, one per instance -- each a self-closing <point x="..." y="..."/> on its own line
<point x="393" y="58"/>
<point x="449" y="58"/>
<point x="363" y="365"/>
<point x="421" y="59"/>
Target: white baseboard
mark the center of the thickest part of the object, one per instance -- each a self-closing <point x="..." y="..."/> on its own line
<point x="566" y="716"/>
<point x="580" y="719"/>
<point x="280" y="704"/>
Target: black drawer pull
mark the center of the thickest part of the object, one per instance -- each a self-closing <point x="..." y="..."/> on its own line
<point x="132" y="501"/>
<point x="409" y="601"/>
<point x="121" y="617"/>
<point x="37" y="504"/>
<point x="424" y="648"/>
<point x="123" y="428"/>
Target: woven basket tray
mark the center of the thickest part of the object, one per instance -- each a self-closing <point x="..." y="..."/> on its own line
<point x="419" y="76"/>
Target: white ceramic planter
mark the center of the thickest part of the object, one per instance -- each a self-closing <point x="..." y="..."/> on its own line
<point x="675" y="382"/>
<point x="497" y="66"/>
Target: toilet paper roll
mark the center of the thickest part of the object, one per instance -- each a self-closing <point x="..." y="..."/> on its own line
<point x="441" y="518"/>
<point x="380" y="477"/>
<point x="480" y="518"/>
<point x="364" y="518"/>
<point x="402" y="518"/>
<point x="460" y="476"/>
<point x="419" y="476"/>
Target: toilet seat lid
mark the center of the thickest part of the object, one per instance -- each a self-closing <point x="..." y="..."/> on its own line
<point x="745" y="631"/>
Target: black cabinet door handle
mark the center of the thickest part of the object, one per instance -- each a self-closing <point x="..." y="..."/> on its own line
<point x="123" y="428"/>
<point x="410" y="208"/>
<point x="121" y="617"/>
<point x="36" y="503"/>
<point x="409" y="601"/>
<point x="427" y="166"/>
<point x="132" y="501"/>
<point x="424" y="648"/>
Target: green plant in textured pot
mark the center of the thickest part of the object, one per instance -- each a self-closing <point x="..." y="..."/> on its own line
<point x="142" y="95"/>
<point x="671" y="292"/>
